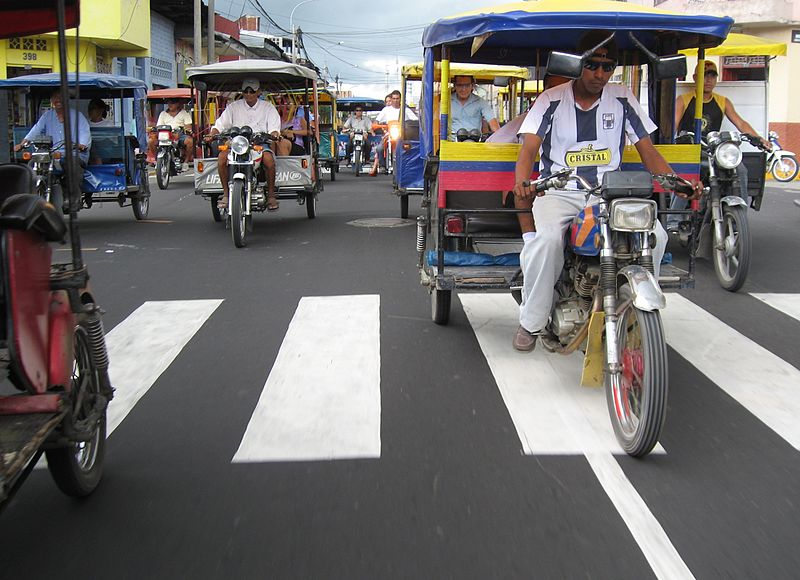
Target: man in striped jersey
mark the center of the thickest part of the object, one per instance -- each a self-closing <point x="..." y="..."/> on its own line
<point x="581" y="125"/>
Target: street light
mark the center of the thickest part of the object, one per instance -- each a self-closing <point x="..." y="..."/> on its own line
<point x="291" y="24"/>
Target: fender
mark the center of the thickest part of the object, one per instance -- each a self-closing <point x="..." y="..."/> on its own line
<point x="730" y="200"/>
<point x="238" y="176"/>
<point x="780" y="154"/>
<point x="647" y="295"/>
<point x="161" y="153"/>
<point x="61" y="332"/>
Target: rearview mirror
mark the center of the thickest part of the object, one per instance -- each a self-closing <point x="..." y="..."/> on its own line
<point x="669" y="67"/>
<point x="500" y="81"/>
<point x="564" y="64"/>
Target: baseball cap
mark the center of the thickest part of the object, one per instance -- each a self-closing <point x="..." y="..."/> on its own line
<point x="710" y="65"/>
<point x="251" y="84"/>
<point x="595" y="37"/>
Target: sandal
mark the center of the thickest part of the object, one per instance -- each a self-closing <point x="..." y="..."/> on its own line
<point x="272" y="204"/>
<point x="222" y="202"/>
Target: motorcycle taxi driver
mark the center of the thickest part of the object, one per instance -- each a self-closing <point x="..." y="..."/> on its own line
<point x="181" y="121"/>
<point x="584" y="115"/>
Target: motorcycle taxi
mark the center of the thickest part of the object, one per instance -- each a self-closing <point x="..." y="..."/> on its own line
<point x="53" y="359"/>
<point x="607" y="300"/>
<point x="117" y="169"/>
<point x="408" y="175"/>
<point x="346" y="107"/>
<point x="297" y="177"/>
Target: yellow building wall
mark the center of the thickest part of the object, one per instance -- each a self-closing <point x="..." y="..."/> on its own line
<point x="120" y="21"/>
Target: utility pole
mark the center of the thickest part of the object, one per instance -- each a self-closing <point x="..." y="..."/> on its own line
<point x="211" y="30"/>
<point x="198" y="32"/>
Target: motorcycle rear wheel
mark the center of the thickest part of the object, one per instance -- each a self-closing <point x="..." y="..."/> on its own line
<point x="637" y="395"/>
<point x="732" y="263"/>
<point x="238" y="217"/>
<point x="163" y="165"/>
<point x="78" y="467"/>
<point x="785" y="169"/>
<point x="440" y="306"/>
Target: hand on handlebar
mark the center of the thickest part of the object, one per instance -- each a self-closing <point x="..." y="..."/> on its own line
<point x="682" y="187"/>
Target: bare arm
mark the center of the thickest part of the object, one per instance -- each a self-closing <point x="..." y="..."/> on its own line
<point x="680" y="109"/>
<point x="494" y="125"/>
<point x="656" y="164"/>
<point x="741" y="124"/>
<point x="523" y="195"/>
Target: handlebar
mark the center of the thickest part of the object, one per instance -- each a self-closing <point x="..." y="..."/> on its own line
<point x="559" y="179"/>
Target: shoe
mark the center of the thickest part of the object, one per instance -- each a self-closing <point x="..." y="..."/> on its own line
<point x="373" y="172"/>
<point x="524" y="341"/>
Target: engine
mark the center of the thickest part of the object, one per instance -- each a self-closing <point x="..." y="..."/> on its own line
<point x="575" y="304"/>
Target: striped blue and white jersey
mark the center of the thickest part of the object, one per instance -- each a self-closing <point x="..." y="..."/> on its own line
<point x="590" y="141"/>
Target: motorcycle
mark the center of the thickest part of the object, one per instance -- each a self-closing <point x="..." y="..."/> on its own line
<point x="46" y="165"/>
<point x="246" y="189"/>
<point x="391" y="144"/>
<point x="782" y="164"/>
<point x="358" y="151"/>
<point x="608" y="302"/>
<point x="169" y="159"/>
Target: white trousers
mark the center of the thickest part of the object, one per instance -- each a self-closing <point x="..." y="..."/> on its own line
<point x="543" y="257"/>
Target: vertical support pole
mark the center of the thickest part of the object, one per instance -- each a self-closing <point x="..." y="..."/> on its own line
<point x="444" y="96"/>
<point x="211" y="57"/>
<point x="198" y="32"/>
<point x="698" y="93"/>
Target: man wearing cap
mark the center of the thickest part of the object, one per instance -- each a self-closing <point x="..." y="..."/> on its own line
<point x="715" y="108"/>
<point x="260" y="116"/>
<point x="586" y="115"/>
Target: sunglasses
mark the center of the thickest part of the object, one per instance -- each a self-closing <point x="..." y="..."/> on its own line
<point x="359" y="110"/>
<point x="248" y="91"/>
<point x="595" y="64"/>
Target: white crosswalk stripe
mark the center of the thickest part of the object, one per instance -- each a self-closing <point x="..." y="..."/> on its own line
<point x="786" y="303"/>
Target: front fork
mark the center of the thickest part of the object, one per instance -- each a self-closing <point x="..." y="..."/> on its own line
<point x="608" y="286"/>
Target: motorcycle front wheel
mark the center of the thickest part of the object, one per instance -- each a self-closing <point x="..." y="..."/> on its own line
<point x="785" y="169"/>
<point x="78" y="467"/>
<point x="357" y="163"/>
<point x="637" y="395"/>
<point x="238" y="217"/>
<point x="732" y="253"/>
<point x="163" y="165"/>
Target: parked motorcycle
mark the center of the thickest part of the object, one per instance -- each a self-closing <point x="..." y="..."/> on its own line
<point x="46" y="165"/>
<point x="608" y="302"/>
<point x="782" y="164"/>
<point x="169" y="159"/>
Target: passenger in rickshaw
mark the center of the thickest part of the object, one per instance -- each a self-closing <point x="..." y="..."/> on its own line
<point x="390" y="113"/>
<point x="51" y="124"/>
<point x="293" y="128"/>
<point x="260" y="116"/>
<point x="468" y="111"/>
<point x="582" y="124"/>
<point x="181" y="122"/>
<point x="358" y="122"/>
<point x="715" y="108"/>
<point x="98" y="114"/>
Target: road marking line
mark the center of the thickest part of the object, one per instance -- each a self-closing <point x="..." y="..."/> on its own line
<point x="322" y="398"/>
<point x="554" y="415"/>
<point x="786" y="303"/>
<point x="762" y="382"/>
<point x="141" y="347"/>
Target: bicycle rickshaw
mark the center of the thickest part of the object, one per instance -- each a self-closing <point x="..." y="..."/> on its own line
<point x="408" y="176"/>
<point x="117" y="170"/>
<point x="56" y="388"/>
<point x="297" y="177"/>
<point x="606" y="304"/>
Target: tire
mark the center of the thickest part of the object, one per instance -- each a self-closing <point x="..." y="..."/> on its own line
<point x="404" y="206"/>
<point x="311" y="205"/>
<point x="57" y="197"/>
<point x="732" y="263"/>
<point x="163" y="166"/>
<point x="440" y="306"/>
<point x="333" y="172"/>
<point x="357" y="163"/>
<point x="215" y="212"/>
<point x="238" y="218"/>
<point x="78" y="467"/>
<point x="637" y="396"/>
<point x="141" y="203"/>
<point x="785" y="169"/>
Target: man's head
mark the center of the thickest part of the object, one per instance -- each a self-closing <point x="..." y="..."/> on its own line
<point x="55" y="100"/>
<point x="251" y="89"/>
<point x="710" y="76"/>
<point x="599" y="65"/>
<point x="359" y="112"/>
<point x="464" y="85"/>
<point x="395" y="99"/>
<point x="97" y="110"/>
<point x="174" y="105"/>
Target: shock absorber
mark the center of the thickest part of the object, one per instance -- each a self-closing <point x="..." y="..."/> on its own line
<point x="421" y="239"/>
<point x="97" y="342"/>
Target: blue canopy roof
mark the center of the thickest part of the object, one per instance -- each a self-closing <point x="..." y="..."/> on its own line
<point x="87" y="80"/>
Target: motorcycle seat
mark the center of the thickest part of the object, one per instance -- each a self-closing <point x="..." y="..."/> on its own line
<point x="15" y="178"/>
<point x="27" y="211"/>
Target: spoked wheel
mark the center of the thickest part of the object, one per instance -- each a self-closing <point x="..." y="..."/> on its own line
<point x="238" y="217"/>
<point x="637" y="396"/>
<point x="141" y="203"/>
<point x="357" y="163"/>
<point x="163" y="164"/>
<point x="311" y="205"/>
<point x="785" y="169"/>
<point x="215" y="211"/>
<point x="78" y="467"/>
<point x="440" y="306"/>
<point x="732" y="253"/>
<point x="404" y="206"/>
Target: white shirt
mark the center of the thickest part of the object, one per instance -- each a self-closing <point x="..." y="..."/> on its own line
<point x="390" y="113"/>
<point x="355" y="124"/>
<point x="262" y="117"/>
<point x="591" y="141"/>
<point x="181" y="120"/>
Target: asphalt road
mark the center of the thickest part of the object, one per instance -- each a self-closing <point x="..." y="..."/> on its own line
<point x="427" y="465"/>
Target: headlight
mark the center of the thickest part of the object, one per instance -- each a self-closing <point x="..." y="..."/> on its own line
<point x="240" y="145"/>
<point x="394" y="132"/>
<point x="632" y="215"/>
<point x="728" y="155"/>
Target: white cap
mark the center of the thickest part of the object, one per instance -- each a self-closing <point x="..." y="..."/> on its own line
<point x="251" y="84"/>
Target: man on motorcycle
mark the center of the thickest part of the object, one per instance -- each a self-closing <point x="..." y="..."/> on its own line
<point x="468" y="111"/>
<point x="181" y="121"/>
<point x="358" y="123"/>
<point x="582" y="125"/>
<point x="715" y="108"/>
<point x="262" y="117"/>
<point x="388" y="114"/>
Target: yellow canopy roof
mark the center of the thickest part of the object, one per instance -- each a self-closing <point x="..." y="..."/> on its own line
<point x="744" y="45"/>
<point x="481" y="72"/>
<point x="530" y="87"/>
